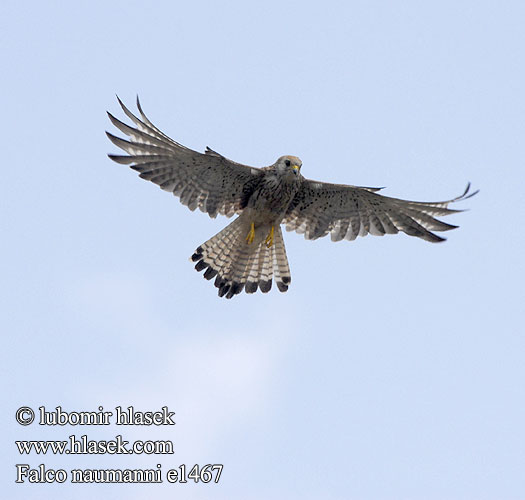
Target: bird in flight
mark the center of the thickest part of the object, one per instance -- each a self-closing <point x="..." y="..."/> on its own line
<point x="249" y="253"/>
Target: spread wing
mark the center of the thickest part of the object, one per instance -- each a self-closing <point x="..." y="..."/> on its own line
<point x="207" y="181"/>
<point x="346" y="212"/>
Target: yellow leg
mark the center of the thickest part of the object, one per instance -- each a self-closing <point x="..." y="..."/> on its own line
<point x="251" y="235"/>
<point x="269" y="238"/>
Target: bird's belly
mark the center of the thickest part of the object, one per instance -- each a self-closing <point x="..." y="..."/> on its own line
<point x="263" y="216"/>
<point x="268" y="205"/>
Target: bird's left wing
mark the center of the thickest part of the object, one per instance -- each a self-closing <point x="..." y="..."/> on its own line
<point x="346" y="212"/>
<point x="208" y="181"/>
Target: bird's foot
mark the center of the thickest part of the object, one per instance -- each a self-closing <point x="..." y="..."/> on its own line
<point x="269" y="238"/>
<point x="251" y="235"/>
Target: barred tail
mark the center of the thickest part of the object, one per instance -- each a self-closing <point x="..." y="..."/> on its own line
<point x="236" y="264"/>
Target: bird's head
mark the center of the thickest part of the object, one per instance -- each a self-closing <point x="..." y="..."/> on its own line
<point x="289" y="165"/>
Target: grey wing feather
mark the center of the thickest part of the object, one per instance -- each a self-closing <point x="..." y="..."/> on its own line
<point x="208" y="181"/>
<point x="346" y="212"/>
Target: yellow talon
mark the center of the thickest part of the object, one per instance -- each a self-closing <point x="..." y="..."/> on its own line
<point x="269" y="238"/>
<point x="251" y="235"/>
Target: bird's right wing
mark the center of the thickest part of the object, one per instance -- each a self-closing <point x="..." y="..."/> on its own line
<point x="208" y="181"/>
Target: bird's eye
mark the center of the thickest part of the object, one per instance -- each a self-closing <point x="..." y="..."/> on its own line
<point x="287" y="163"/>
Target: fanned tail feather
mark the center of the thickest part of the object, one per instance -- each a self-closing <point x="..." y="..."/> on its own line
<point x="281" y="268"/>
<point x="238" y="265"/>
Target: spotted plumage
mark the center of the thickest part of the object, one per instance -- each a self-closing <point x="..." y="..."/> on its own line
<point x="249" y="254"/>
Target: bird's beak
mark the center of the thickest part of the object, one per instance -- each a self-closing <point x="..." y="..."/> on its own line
<point x="296" y="169"/>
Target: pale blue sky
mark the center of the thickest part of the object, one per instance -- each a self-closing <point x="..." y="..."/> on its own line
<point x="392" y="369"/>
